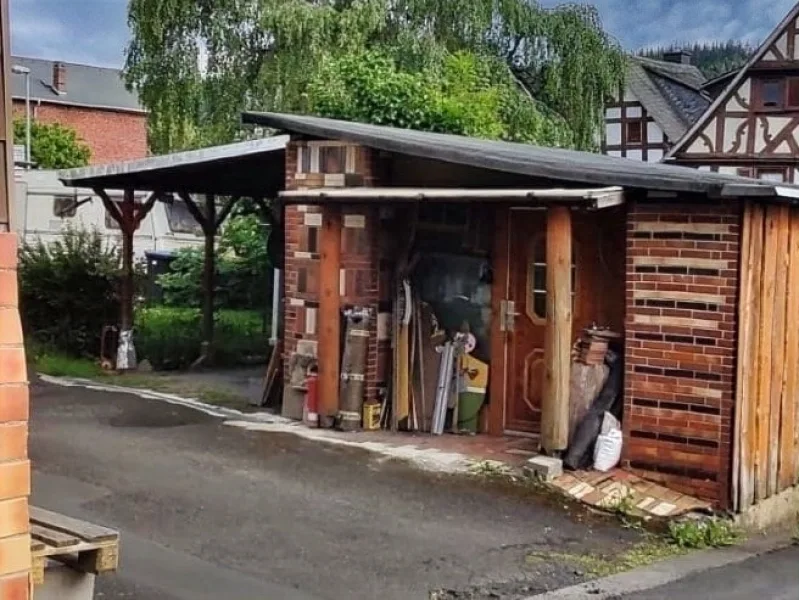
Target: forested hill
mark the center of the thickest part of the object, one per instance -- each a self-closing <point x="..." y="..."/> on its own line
<point x="712" y="59"/>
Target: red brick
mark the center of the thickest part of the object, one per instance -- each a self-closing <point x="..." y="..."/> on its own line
<point x="112" y="135"/>
<point x="12" y="365"/>
<point x="8" y="287"/>
<point x="8" y="251"/>
<point x="13" y="403"/>
<point x="15" y="587"/>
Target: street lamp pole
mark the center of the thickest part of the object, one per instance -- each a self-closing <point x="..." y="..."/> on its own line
<point x="20" y="70"/>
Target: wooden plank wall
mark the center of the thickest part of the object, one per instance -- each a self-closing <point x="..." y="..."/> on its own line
<point x="766" y="437"/>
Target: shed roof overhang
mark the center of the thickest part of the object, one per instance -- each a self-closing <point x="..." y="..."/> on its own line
<point x="253" y="169"/>
<point x="585" y="198"/>
<point x="570" y="167"/>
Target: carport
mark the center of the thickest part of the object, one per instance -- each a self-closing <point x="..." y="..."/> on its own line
<point x="252" y="169"/>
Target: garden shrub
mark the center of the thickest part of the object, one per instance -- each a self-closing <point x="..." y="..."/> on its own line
<point x="69" y="291"/>
<point x="170" y="337"/>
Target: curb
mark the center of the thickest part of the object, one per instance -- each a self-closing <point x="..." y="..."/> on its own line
<point x="666" y="572"/>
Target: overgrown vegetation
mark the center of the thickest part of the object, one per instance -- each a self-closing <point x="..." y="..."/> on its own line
<point x="243" y="271"/>
<point x="53" y="146"/>
<point x="713" y="59"/>
<point x="170" y="337"/>
<point x="703" y="533"/>
<point x="69" y="291"/>
<point x="197" y="65"/>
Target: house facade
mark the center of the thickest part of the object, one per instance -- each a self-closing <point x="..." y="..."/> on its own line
<point x="657" y="105"/>
<point x="91" y="100"/>
<point x="750" y="129"/>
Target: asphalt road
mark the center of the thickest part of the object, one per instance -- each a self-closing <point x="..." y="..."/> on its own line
<point x="773" y="576"/>
<point x="208" y="511"/>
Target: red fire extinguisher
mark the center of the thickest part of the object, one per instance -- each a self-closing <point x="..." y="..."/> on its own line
<point x="311" y="408"/>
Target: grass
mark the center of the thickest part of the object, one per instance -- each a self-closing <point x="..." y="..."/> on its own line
<point x="58" y="365"/>
<point x="652" y="550"/>
<point x="703" y="533"/>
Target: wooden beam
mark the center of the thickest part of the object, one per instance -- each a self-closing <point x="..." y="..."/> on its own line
<point x="144" y="209"/>
<point x="764" y="354"/>
<point x="329" y="312"/>
<point x="194" y="210"/>
<point x="209" y="272"/>
<point x="788" y="458"/>
<point x="128" y="225"/>
<point x="223" y="214"/>
<point x="110" y="205"/>
<point x="557" y="345"/>
<point x="778" y="375"/>
<point x="497" y="394"/>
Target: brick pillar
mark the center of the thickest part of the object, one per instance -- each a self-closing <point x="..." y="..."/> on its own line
<point x="682" y="285"/>
<point x="360" y="255"/>
<point x="15" y="558"/>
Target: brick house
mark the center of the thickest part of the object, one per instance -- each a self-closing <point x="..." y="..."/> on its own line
<point x="91" y="100"/>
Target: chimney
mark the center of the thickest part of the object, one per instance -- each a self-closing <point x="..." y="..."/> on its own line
<point x="680" y="57"/>
<point x="60" y="78"/>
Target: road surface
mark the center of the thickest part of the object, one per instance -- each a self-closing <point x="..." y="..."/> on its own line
<point x="773" y="576"/>
<point x="209" y="511"/>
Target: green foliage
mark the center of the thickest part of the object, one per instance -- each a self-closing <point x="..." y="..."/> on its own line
<point x="465" y="94"/>
<point x="713" y="59"/>
<point x="263" y="54"/>
<point x="53" y="146"/>
<point x="708" y="533"/>
<point x="243" y="273"/>
<point x="68" y="291"/>
<point x="170" y="338"/>
<point x="60" y="365"/>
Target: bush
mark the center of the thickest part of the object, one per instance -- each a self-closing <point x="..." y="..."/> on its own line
<point x="170" y="338"/>
<point x="69" y="291"/>
<point x="242" y="269"/>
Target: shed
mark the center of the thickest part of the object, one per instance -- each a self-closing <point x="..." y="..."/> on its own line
<point x="697" y="271"/>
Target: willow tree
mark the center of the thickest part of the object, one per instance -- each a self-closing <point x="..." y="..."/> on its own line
<point x="198" y="63"/>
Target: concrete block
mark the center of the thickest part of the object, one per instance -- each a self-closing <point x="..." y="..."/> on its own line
<point x="544" y="467"/>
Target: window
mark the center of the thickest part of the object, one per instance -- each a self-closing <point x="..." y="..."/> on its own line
<point x="180" y="219"/>
<point x="772" y="93"/>
<point x="776" y="175"/>
<point x="65" y="207"/>
<point x="635" y="133"/>
<point x="537" y="280"/>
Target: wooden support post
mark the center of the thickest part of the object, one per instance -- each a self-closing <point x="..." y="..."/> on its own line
<point x="557" y="346"/>
<point x="329" y="313"/>
<point x="128" y="226"/>
<point x="209" y="269"/>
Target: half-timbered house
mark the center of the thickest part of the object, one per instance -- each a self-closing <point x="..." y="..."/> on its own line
<point x="751" y="129"/>
<point x="658" y="104"/>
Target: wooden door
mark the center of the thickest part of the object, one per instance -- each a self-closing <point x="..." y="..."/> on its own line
<point x="527" y="291"/>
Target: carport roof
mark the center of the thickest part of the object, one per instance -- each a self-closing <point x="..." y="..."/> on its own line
<point x="555" y="164"/>
<point x="253" y="168"/>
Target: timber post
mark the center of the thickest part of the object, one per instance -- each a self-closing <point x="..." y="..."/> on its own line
<point x="557" y="344"/>
<point x="329" y="314"/>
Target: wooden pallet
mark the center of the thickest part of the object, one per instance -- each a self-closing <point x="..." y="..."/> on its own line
<point x="85" y="547"/>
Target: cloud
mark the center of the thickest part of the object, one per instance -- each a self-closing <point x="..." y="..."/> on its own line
<point x="96" y="32"/>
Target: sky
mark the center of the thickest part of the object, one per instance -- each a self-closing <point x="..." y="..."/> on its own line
<point x="95" y="31"/>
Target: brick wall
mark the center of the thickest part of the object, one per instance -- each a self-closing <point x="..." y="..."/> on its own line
<point x="112" y="135"/>
<point x="682" y="274"/>
<point x="15" y="560"/>
<point x="360" y="264"/>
